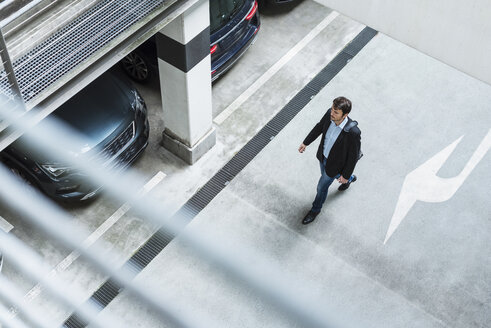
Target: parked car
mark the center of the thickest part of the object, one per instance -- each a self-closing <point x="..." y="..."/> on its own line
<point x="275" y="3"/>
<point x="233" y="28"/>
<point x="111" y="117"/>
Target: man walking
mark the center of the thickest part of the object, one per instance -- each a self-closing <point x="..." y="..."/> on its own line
<point x="337" y="153"/>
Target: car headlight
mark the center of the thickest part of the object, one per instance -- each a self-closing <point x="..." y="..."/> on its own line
<point x="138" y="104"/>
<point x="55" y="170"/>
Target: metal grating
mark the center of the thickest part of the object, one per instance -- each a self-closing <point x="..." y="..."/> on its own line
<point x="291" y="109"/>
<point x="76" y="42"/>
<point x="330" y="71"/>
<point x="110" y="289"/>
<point x="75" y="322"/>
<point x="249" y="151"/>
<point x="220" y="180"/>
<point x="103" y="296"/>
<point x="149" y="250"/>
<point x="187" y="212"/>
<point x="360" y="41"/>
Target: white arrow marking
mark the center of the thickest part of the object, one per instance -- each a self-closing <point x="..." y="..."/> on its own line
<point x="423" y="184"/>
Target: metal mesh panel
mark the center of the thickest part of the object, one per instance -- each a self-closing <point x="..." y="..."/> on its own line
<point x="76" y="42"/>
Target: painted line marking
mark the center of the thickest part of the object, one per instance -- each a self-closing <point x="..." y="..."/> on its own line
<point x="424" y="185"/>
<point x="4" y="225"/>
<point x="274" y="69"/>
<point x="63" y="265"/>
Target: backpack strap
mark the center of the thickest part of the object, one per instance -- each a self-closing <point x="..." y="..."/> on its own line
<point x="347" y="128"/>
<point x="350" y="125"/>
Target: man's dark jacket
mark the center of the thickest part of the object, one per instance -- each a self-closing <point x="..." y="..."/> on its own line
<point x="344" y="153"/>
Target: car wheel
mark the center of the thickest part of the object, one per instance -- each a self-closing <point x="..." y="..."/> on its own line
<point x="136" y="66"/>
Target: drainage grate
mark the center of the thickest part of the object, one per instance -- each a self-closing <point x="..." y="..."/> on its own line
<point x="359" y="41"/>
<point x="103" y="296"/>
<point x="249" y="151"/>
<point x="149" y="250"/>
<point x="292" y="108"/>
<point x="75" y="322"/>
<point x="216" y="184"/>
<point x="76" y="42"/>
<point x="330" y="71"/>
<point x="106" y="294"/>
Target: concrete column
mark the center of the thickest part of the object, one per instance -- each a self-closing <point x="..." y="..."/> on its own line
<point x="183" y="48"/>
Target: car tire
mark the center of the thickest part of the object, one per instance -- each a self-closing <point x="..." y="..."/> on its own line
<point x="136" y="67"/>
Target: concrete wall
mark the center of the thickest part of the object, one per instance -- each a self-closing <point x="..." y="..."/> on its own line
<point x="456" y="32"/>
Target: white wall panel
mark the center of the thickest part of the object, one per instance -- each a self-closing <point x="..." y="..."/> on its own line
<point x="456" y="32"/>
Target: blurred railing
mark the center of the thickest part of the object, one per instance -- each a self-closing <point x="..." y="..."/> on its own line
<point x="11" y="98"/>
<point x="12" y="9"/>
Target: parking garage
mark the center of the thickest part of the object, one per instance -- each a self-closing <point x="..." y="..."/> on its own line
<point x="243" y="258"/>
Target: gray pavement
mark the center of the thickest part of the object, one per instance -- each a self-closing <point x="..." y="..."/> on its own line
<point x="435" y="269"/>
<point x="126" y="232"/>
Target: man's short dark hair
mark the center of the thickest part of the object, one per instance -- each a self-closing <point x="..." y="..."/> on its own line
<point x="342" y="103"/>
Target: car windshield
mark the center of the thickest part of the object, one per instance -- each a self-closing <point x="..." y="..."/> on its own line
<point x="221" y="11"/>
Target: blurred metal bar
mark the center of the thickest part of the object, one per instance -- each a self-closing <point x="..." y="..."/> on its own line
<point x="13" y="297"/>
<point x="9" y="322"/>
<point x="5" y="225"/>
<point x="56" y="223"/>
<point x="17" y="13"/>
<point x="9" y="69"/>
<point x="30" y="263"/>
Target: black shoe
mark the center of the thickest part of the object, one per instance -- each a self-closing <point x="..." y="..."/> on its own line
<point x="345" y="186"/>
<point x="309" y="217"/>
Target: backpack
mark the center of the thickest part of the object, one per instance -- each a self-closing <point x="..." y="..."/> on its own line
<point x="347" y="128"/>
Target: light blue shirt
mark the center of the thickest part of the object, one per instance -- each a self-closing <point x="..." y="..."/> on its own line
<point x="332" y="134"/>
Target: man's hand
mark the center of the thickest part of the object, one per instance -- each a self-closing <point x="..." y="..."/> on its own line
<point x="301" y="149"/>
<point x="342" y="180"/>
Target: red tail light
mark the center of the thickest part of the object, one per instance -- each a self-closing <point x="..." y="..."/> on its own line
<point x="213" y="49"/>
<point x="252" y="12"/>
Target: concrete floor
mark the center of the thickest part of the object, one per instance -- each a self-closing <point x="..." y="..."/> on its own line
<point x="434" y="271"/>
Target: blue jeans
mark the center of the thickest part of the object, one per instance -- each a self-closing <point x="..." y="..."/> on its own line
<point x="322" y="187"/>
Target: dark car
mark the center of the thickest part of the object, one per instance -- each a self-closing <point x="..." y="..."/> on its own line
<point x="233" y="28"/>
<point x="275" y="3"/>
<point x="111" y="117"/>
